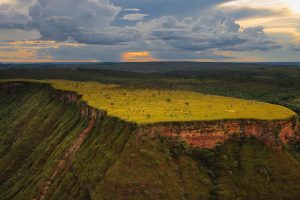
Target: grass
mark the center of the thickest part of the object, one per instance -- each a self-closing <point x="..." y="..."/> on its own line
<point x="242" y="169"/>
<point x="114" y="163"/>
<point x="35" y="130"/>
<point x="145" y="106"/>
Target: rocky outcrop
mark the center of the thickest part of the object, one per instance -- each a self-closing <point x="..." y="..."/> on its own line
<point x="74" y="98"/>
<point x="208" y="134"/>
<point x="202" y="134"/>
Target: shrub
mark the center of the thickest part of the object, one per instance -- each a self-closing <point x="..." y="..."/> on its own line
<point x="205" y="156"/>
<point x="295" y="144"/>
<point x="176" y="149"/>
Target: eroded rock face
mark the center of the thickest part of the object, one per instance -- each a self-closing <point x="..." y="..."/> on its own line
<point x="210" y="134"/>
<point x="85" y="110"/>
<point x="205" y="134"/>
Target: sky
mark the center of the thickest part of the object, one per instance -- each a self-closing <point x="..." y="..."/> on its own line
<point x="149" y="30"/>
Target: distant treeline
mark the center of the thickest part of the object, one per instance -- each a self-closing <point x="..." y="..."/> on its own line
<point x="279" y="84"/>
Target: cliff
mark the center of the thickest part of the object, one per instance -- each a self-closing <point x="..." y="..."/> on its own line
<point x="201" y="134"/>
<point x="54" y="146"/>
<point x="208" y="134"/>
<point x="86" y="110"/>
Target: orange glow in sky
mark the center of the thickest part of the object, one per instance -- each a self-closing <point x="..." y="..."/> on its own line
<point x="137" y="56"/>
<point x="6" y="1"/>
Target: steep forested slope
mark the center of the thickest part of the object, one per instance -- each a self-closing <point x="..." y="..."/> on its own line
<point x="34" y="131"/>
<point x="35" y="134"/>
<point x="113" y="162"/>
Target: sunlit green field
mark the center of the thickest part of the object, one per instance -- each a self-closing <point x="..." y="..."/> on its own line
<point x="151" y="106"/>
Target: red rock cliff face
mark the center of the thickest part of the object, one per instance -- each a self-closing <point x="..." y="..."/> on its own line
<point x="198" y="134"/>
<point x="210" y="134"/>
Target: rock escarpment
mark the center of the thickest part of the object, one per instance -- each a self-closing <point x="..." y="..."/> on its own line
<point x="61" y="146"/>
<point x="86" y="110"/>
<point x="211" y="133"/>
<point x="58" y="147"/>
<point x="201" y="134"/>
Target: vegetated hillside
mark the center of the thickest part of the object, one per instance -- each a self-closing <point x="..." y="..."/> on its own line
<point x="144" y="106"/>
<point x="37" y="131"/>
<point x="35" y="134"/>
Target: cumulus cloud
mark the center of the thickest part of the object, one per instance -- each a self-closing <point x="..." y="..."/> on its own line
<point x="134" y="17"/>
<point x="86" y="21"/>
<point x="62" y="19"/>
<point x="216" y="31"/>
<point x="90" y="22"/>
<point x="13" y="14"/>
<point x="168" y="37"/>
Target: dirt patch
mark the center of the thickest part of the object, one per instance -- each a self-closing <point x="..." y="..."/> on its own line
<point x="65" y="161"/>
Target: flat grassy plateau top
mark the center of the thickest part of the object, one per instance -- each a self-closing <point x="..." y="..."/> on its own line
<point x="145" y="106"/>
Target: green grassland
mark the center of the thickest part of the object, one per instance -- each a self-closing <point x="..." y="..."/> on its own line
<point x="114" y="163"/>
<point x="34" y="131"/>
<point x="151" y="106"/>
<point x="260" y="82"/>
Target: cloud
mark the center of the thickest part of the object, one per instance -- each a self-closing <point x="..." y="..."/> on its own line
<point x="248" y="12"/>
<point x="90" y="22"/>
<point x="62" y="19"/>
<point x="134" y="17"/>
<point x="109" y="36"/>
<point x="294" y="47"/>
<point x="12" y="20"/>
<point x="106" y="30"/>
<point x="13" y="14"/>
<point x="180" y="8"/>
<point x="132" y="9"/>
<point x="86" y="21"/>
<point x="214" y="31"/>
<point x="137" y="56"/>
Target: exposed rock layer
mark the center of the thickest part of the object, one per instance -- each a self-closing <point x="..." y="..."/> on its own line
<point x="209" y="134"/>
<point x="203" y="134"/>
